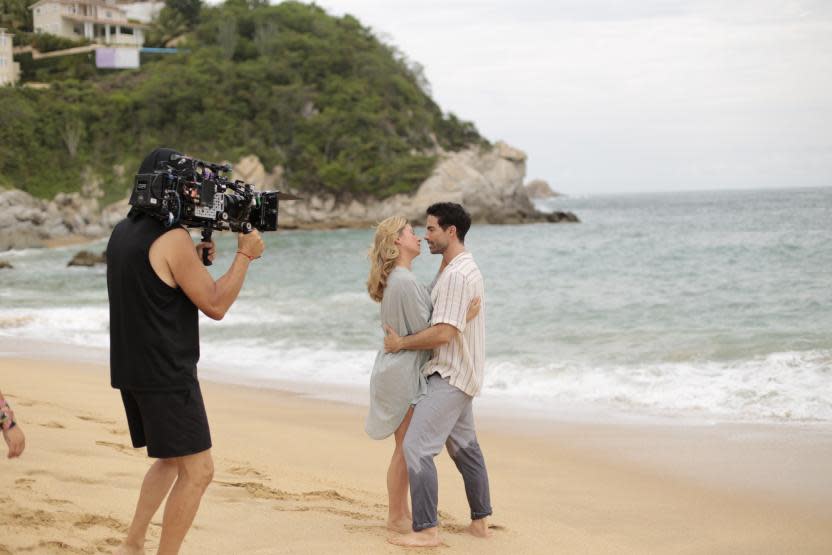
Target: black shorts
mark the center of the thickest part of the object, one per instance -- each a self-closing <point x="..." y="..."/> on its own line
<point x="169" y="423"/>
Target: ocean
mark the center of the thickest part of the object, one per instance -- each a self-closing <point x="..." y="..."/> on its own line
<point x="713" y="306"/>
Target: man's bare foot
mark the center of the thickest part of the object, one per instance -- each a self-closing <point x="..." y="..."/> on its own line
<point x="429" y="537"/>
<point x="400" y="526"/>
<point x="128" y="549"/>
<point x="479" y="528"/>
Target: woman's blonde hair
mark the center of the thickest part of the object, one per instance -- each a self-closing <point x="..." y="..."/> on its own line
<point x="383" y="254"/>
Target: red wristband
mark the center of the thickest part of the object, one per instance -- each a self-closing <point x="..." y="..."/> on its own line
<point x="250" y="258"/>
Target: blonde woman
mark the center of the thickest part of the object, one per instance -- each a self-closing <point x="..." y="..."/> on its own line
<point x="397" y="383"/>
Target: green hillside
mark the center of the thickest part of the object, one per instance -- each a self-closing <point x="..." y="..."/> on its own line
<point x="321" y="95"/>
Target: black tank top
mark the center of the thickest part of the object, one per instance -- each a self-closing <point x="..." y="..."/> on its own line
<point x="154" y="328"/>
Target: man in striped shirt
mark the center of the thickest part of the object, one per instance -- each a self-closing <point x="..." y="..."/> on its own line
<point x="455" y="377"/>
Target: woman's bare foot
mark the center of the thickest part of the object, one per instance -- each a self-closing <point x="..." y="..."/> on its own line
<point x="479" y="528"/>
<point x="400" y="525"/>
<point x="429" y="537"/>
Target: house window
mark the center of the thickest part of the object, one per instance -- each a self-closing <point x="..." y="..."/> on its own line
<point x="126" y="30"/>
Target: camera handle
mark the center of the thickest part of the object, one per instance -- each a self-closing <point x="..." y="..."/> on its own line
<point x="206" y="238"/>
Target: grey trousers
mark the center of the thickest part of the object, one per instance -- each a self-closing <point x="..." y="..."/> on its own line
<point x="444" y="416"/>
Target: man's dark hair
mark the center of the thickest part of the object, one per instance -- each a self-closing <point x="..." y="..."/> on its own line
<point x="451" y="214"/>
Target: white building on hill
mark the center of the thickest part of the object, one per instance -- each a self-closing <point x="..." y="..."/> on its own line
<point x="9" y="69"/>
<point x="101" y="21"/>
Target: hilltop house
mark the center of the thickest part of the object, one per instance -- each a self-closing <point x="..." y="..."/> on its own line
<point x="9" y="69"/>
<point x="101" y="21"/>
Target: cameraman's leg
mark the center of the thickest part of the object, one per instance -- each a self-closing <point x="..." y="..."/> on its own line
<point x="195" y="474"/>
<point x="157" y="481"/>
<point x="155" y="487"/>
<point x="174" y="426"/>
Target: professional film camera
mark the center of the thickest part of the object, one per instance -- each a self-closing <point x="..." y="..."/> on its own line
<point x="195" y="193"/>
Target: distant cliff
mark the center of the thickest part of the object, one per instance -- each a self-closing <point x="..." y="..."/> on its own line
<point x="487" y="181"/>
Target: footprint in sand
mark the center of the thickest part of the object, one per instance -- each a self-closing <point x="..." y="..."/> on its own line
<point x="89" y="520"/>
<point x="57" y="502"/>
<point x="445" y="516"/>
<point x="242" y="470"/>
<point x="30" y="519"/>
<point x="24" y="483"/>
<point x="459" y="529"/>
<point x="64" y="477"/>
<point x="375" y="529"/>
<point x="330" y="510"/>
<point x="48" y="547"/>
<point x="263" y="491"/>
<point x="53" y="424"/>
<point x="308" y="498"/>
<point x="120" y="447"/>
<point x="97" y="420"/>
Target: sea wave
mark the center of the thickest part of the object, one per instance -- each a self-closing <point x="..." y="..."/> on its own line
<point x="779" y="386"/>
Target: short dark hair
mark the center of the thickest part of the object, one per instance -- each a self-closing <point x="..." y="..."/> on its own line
<point x="451" y="214"/>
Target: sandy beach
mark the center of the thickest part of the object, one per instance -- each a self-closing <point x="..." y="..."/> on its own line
<point x="298" y="475"/>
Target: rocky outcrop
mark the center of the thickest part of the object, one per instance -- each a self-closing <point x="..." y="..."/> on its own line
<point x="87" y="258"/>
<point x="487" y="181"/>
<point x="26" y="221"/>
<point x="538" y="188"/>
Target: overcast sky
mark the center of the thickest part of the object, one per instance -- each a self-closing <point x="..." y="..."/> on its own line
<point x="631" y="95"/>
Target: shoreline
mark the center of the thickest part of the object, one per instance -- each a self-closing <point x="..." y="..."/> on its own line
<point x="514" y="406"/>
<point x="304" y="473"/>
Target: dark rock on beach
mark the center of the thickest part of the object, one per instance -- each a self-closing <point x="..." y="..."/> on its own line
<point x="562" y="217"/>
<point x="86" y="258"/>
<point x="4" y="265"/>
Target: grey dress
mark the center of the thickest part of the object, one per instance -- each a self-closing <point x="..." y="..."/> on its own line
<point x="397" y="382"/>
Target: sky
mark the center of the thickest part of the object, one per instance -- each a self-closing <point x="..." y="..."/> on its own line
<point x="631" y="95"/>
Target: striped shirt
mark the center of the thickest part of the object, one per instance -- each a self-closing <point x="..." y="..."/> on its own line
<point x="461" y="360"/>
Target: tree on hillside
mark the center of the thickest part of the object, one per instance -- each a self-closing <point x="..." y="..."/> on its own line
<point x="177" y="18"/>
<point x="15" y="15"/>
<point x="339" y="109"/>
<point x="188" y="9"/>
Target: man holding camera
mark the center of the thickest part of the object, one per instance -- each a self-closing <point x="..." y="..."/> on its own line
<point x="156" y="282"/>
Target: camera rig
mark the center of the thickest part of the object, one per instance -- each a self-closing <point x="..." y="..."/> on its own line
<point x="191" y="192"/>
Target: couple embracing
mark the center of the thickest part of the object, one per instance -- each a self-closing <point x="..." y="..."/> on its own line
<point x="424" y="381"/>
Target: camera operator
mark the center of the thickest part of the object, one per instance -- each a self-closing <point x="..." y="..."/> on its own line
<point x="156" y="282"/>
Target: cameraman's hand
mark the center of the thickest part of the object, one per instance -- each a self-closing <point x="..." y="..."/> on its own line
<point x="15" y="440"/>
<point x="212" y="250"/>
<point x="251" y="244"/>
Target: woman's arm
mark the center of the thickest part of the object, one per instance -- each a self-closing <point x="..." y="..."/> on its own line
<point x="473" y="309"/>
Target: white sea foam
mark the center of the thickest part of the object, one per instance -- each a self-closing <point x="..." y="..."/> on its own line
<point x="779" y="386"/>
<point x="83" y="325"/>
<point x="782" y="386"/>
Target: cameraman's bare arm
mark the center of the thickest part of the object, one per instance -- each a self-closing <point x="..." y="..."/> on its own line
<point x="185" y="269"/>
